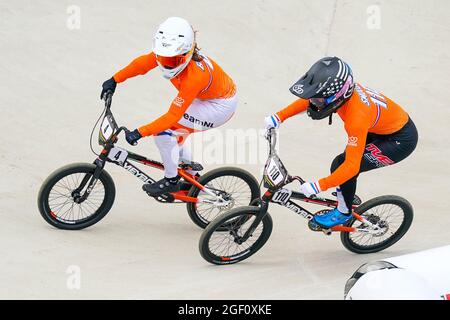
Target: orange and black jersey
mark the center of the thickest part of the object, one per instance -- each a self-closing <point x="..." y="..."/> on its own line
<point x="367" y="111"/>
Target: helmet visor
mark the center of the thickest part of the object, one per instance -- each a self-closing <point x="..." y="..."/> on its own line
<point x="171" y="62"/>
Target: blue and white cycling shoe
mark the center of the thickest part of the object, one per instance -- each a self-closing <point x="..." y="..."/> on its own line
<point x="332" y="218"/>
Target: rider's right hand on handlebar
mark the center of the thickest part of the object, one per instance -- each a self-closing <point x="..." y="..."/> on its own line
<point x="310" y="188"/>
<point x="272" y="121"/>
<point x="108" y="86"/>
<point x="132" y="137"/>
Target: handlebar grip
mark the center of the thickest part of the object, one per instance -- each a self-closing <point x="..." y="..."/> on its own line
<point x="108" y="98"/>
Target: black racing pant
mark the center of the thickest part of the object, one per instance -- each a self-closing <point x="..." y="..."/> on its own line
<point x="380" y="151"/>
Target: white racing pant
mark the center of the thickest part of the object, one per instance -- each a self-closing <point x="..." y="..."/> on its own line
<point x="200" y="116"/>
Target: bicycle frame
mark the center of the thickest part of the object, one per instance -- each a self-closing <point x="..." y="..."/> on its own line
<point x="275" y="178"/>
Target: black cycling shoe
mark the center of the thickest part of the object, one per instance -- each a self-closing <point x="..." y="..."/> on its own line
<point x="162" y="186"/>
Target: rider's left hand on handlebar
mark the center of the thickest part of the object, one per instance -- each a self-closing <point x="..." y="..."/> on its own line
<point x="108" y="86"/>
<point x="132" y="137"/>
<point x="272" y="121"/>
<point x="310" y="188"/>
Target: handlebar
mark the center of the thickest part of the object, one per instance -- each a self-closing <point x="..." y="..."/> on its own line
<point x="271" y="137"/>
<point x="108" y="99"/>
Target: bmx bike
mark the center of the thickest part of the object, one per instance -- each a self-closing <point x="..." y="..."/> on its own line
<point x="79" y="195"/>
<point x="239" y="233"/>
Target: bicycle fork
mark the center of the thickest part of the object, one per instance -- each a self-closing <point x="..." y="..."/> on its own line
<point x="266" y="198"/>
<point x="92" y="179"/>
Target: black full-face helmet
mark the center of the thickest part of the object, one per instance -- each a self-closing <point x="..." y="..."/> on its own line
<point x="327" y="85"/>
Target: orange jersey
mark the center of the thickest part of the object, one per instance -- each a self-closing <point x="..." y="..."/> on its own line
<point x="366" y="111"/>
<point x="202" y="80"/>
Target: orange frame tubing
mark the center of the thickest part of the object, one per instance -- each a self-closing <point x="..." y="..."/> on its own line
<point x="347" y="229"/>
<point x="182" y="196"/>
<point x="357" y="216"/>
<point x="189" y="178"/>
<point x="343" y="229"/>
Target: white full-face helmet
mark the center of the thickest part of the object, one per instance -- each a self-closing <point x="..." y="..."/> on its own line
<point x="173" y="45"/>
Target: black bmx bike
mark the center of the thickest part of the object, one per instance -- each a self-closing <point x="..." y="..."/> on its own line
<point x="79" y="195"/>
<point x="238" y="234"/>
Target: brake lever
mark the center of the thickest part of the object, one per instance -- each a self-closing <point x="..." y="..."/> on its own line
<point x="301" y="181"/>
<point x="298" y="179"/>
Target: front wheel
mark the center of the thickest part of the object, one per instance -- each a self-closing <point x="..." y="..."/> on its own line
<point x="58" y="198"/>
<point x="221" y="242"/>
<point x="236" y="186"/>
<point x="392" y="214"/>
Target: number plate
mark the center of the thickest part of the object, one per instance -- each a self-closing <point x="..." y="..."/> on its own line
<point x="106" y="129"/>
<point x="118" y="155"/>
<point x="282" y="196"/>
<point x="274" y="173"/>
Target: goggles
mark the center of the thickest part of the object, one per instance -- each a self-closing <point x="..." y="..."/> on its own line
<point x="321" y="103"/>
<point x="171" y="62"/>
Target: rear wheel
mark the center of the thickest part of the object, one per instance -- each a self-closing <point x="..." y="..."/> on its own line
<point x="393" y="214"/>
<point x="221" y="242"/>
<point x="238" y="187"/>
<point x="57" y="198"/>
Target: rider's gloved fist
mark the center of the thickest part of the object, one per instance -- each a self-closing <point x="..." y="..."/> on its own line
<point x="108" y="85"/>
<point x="310" y="188"/>
<point x="133" y="137"/>
<point x="272" y="121"/>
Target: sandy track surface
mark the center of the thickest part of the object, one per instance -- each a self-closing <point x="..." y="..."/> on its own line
<point x="50" y="78"/>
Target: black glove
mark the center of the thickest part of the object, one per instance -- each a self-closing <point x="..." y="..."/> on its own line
<point x="108" y="85"/>
<point x="133" y="137"/>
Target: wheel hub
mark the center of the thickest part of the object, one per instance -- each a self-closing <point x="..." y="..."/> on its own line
<point x="76" y="196"/>
<point x="384" y="227"/>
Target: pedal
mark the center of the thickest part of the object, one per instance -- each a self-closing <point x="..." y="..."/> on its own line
<point x="190" y="165"/>
<point x="164" y="198"/>
<point x="314" y="226"/>
<point x="356" y="200"/>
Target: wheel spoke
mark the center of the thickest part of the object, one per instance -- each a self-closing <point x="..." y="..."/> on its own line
<point x="388" y="214"/>
<point x="235" y="188"/>
<point x="62" y="203"/>
<point x="222" y="242"/>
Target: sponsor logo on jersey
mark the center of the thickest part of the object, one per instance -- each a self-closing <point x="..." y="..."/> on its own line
<point x="352" y="141"/>
<point x="362" y="95"/>
<point x="198" y="121"/>
<point x="200" y="65"/>
<point x="178" y="101"/>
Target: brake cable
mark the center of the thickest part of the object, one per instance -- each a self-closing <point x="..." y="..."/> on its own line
<point x="92" y="132"/>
